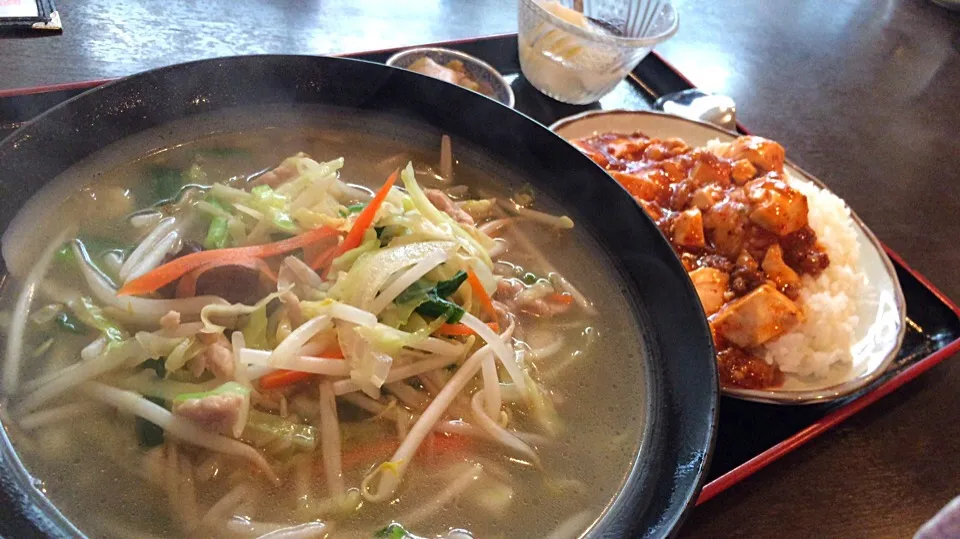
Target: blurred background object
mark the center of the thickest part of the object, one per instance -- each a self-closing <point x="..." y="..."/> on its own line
<point x="576" y="51"/>
<point x="20" y="17"/>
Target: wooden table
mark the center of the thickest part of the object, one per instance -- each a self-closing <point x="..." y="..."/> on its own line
<point x="864" y="94"/>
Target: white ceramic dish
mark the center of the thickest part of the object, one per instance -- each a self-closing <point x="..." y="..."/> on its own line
<point x="877" y="337"/>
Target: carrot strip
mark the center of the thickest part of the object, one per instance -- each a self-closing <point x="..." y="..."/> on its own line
<point x="169" y="272"/>
<point x="187" y="287"/>
<point x="563" y="299"/>
<point x="334" y="352"/>
<point x="371" y="453"/>
<point x="359" y="228"/>
<point x="365" y="219"/>
<point x="281" y="378"/>
<point x="322" y="258"/>
<point x="485" y="300"/>
<point x="458" y="330"/>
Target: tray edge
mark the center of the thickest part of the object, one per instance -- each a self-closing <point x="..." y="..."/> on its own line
<point x="764" y="458"/>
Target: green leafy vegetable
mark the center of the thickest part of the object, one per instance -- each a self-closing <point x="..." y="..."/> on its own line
<point x="393" y="531"/>
<point x="64" y="257"/>
<point x="355" y="208"/>
<point x="157" y="365"/>
<point x="217" y="234"/>
<point x="387" y="233"/>
<point x="529" y="278"/>
<point x="418" y="290"/>
<point x="273" y="205"/>
<point x="448" y="287"/>
<point x="95" y="247"/>
<point x="92" y="315"/>
<point x="70" y="323"/>
<point x="165" y="182"/>
<point x="441" y="308"/>
<point x="431" y="299"/>
<point x="263" y="193"/>
<point x="148" y="434"/>
<point x="284" y="222"/>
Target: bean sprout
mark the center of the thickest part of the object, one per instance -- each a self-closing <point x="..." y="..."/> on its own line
<point x="11" y="367"/>
<point x="330" y="441"/>
<point x="178" y="427"/>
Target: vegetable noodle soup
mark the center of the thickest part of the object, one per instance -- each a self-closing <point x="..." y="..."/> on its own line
<point x="310" y="333"/>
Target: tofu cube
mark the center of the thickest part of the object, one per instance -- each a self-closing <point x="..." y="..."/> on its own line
<point x="756" y="318"/>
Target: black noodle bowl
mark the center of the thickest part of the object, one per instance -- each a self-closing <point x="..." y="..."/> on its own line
<point x="680" y="380"/>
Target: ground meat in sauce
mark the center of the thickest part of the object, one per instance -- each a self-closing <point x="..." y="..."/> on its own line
<point x="752" y="224"/>
<point x="740" y="369"/>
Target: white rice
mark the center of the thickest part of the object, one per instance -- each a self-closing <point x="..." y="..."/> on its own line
<point x="830" y="301"/>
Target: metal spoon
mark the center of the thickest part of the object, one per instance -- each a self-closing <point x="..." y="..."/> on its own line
<point x="719" y="110"/>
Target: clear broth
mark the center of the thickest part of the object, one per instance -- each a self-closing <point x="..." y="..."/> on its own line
<point x="93" y="470"/>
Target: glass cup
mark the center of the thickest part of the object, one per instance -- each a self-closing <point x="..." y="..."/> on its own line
<point x="580" y="57"/>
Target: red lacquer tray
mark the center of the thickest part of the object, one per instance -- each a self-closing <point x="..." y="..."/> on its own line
<point x="750" y="435"/>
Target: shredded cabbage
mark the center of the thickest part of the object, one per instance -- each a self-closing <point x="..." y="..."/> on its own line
<point x="359" y="287"/>
<point x="229" y="194"/>
<point x="371" y="272"/>
<point x="235" y="310"/>
<point x="311" y="176"/>
<point x="182" y="353"/>
<point x="391" y="341"/>
<point x="92" y="315"/>
<point x="347" y="260"/>
<point x="311" y="219"/>
<point x="262" y="429"/>
<point x="255" y="330"/>
<point x="157" y="346"/>
<point x="470" y="243"/>
<point x="273" y="207"/>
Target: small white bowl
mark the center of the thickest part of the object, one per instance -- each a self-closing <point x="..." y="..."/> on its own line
<point x="478" y="69"/>
<point x="879" y="334"/>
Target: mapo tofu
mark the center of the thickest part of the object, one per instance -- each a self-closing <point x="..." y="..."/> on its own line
<point x="741" y="232"/>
